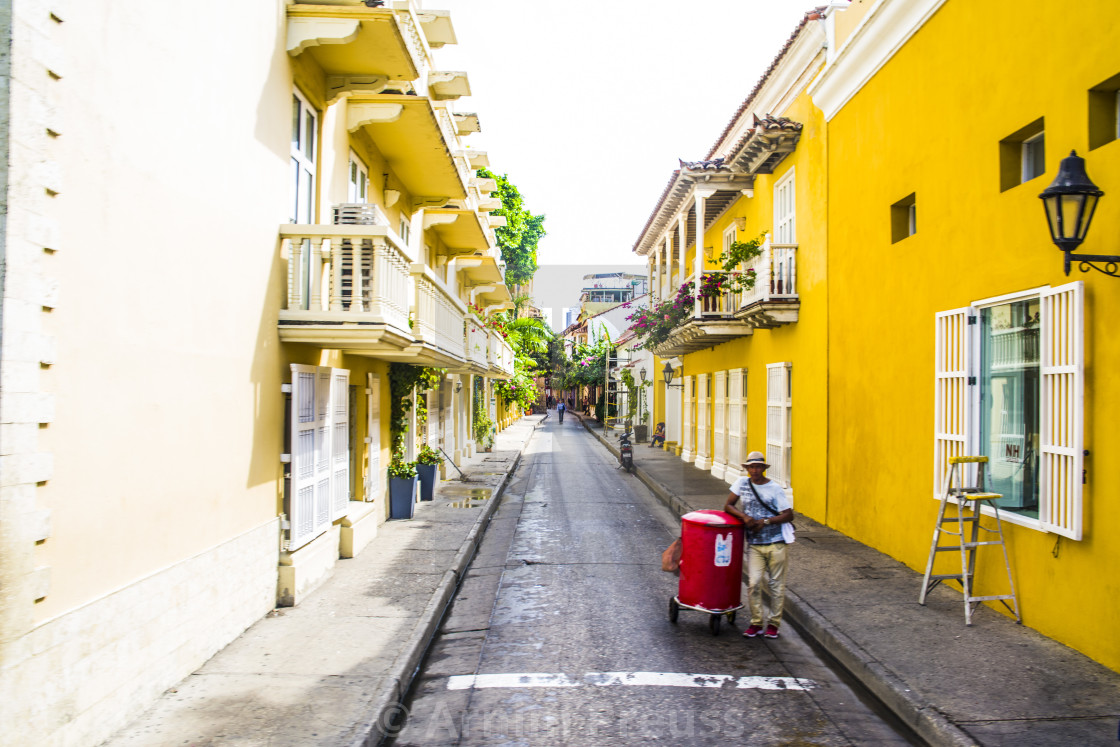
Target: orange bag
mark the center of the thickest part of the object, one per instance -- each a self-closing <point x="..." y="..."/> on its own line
<point x="671" y="558"/>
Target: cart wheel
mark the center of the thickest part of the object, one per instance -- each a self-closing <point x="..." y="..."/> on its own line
<point x="731" y="617"/>
<point x="713" y="623"/>
<point x="674" y="610"/>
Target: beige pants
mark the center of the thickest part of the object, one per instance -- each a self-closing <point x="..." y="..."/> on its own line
<point x="769" y="561"/>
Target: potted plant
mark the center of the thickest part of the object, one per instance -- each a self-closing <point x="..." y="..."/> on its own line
<point x="402" y="487"/>
<point x="426" y="462"/>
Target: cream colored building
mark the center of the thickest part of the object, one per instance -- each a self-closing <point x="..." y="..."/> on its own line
<point x="223" y="222"/>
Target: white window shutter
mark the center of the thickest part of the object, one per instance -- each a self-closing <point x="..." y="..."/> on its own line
<point x="689" y="409"/>
<point x="779" y="410"/>
<point x="323" y="448"/>
<point x="736" y="417"/>
<point x="719" y="419"/>
<point x="374" y="479"/>
<point x="703" y="414"/>
<point x="1062" y="409"/>
<point x="340" y="442"/>
<point x="952" y="398"/>
<point x="308" y="511"/>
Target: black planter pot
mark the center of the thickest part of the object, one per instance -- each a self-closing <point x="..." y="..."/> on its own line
<point x="401" y="497"/>
<point x="427" y="474"/>
<point x="641" y="434"/>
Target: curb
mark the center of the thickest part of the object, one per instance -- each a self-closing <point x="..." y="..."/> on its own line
<point x="925" y="720"/>
<point x="388" y="703"/>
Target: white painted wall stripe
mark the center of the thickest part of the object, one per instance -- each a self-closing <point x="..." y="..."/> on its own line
<point x="631" y="679"/>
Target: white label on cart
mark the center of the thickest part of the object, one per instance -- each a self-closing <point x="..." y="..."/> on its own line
<point x="723" y="550"/>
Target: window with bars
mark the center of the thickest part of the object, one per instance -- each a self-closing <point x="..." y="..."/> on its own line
<point x="1009" y="386"/>
<point x="320" y="451"/>
<point x="779" y="421"/>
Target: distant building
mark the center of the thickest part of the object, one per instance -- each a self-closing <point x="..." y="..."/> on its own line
<point x="604" y="290"/>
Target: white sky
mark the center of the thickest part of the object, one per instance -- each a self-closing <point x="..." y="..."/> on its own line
<point x="588" y="105"/>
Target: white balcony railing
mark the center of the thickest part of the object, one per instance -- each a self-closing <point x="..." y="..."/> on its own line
<point x="438" y="317"/>
<point x="501" y="354"/>
<point x="345" y="273"/>
<point x="776" y="275"/>
<point x="478" y="342"/>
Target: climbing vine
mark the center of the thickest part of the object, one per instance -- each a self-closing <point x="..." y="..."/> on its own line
<point x="404" y="378"/>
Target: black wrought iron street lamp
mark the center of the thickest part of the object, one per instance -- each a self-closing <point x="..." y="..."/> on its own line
<point x="1070" y="201"/>
<point x="667" y="372"/>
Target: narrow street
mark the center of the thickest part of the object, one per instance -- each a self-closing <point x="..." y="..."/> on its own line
<point x="560" y="634"/>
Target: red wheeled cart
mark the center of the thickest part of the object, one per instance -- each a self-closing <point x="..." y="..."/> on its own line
<point x="711" y="567"/>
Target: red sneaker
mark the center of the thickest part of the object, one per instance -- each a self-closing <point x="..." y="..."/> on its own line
<point x="752" y="632"/>
<point x="771" y="631"/>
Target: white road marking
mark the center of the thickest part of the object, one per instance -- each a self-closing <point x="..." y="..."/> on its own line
<point x="479" y="681"/>
<point x="632" y="679"/>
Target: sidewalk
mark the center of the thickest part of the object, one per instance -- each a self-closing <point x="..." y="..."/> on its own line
<point x="994" y="683"/>
<point x="332" y="670"/>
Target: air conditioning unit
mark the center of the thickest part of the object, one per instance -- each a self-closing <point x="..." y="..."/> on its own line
<point x="359" y="214"/>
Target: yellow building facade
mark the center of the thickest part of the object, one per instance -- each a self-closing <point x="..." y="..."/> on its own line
<point x="931" y="315"/>
<point x="211" y="262"/>
<point x="954" y="327"/>
<point x="749" y="366"/>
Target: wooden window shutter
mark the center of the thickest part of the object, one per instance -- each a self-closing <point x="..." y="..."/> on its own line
<point x="689" y="409"/>
<point x="703" y="416"/>
<point x="308" y="510"/>
<point x="952" y="397"/>
<point x="719" y="419"/>
<point x="373" y="478"/>
<point x="736" y="418"/>
<point x="340" y="442"/>
<point x="779" y="436"/>
<point x="1062" y="371"/>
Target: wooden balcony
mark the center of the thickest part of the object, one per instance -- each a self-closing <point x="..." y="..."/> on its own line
<point x="348" y="288"/>
<point x="772" y="302"/>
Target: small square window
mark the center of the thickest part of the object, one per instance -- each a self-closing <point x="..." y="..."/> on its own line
<point x="1104" y="112"/>
<point x="904" y="218"/>
<point x="1022" y="155"/>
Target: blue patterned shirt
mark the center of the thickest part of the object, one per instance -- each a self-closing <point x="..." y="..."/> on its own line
<point x="774" y="496"/>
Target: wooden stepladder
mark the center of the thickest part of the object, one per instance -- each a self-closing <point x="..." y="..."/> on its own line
<point x="969" y="501"/>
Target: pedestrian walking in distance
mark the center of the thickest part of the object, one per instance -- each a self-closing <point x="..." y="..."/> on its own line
<point x="560" y="410"/>
<point x="767" y="512"/>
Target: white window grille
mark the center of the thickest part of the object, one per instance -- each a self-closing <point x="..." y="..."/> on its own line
<point x="779" y="421"/>
<point x="374" y="478"/>
<point x="320" y="465"/>
<point x="1009" y="373"/>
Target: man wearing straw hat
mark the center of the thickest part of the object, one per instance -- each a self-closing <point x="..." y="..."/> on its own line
<point x="767" y="512"/>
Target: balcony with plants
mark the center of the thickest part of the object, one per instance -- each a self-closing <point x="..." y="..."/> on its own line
<point x="755" y="288"/>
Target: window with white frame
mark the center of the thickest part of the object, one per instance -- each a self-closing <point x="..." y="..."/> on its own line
<point x="319" y="491"/>
<point x="1009" y="386"/>
<point x="785" y="210"/>
<point x="304" y="131"/>
<point x="728" y="240"/>
<point x="779" y="421"/>
<point x="357" y="190"/>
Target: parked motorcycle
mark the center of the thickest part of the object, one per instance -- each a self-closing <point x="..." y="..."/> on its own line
<point x="626" y="452"/>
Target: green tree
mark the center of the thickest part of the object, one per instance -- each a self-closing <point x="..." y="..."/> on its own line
<point x="519" y="237"/>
